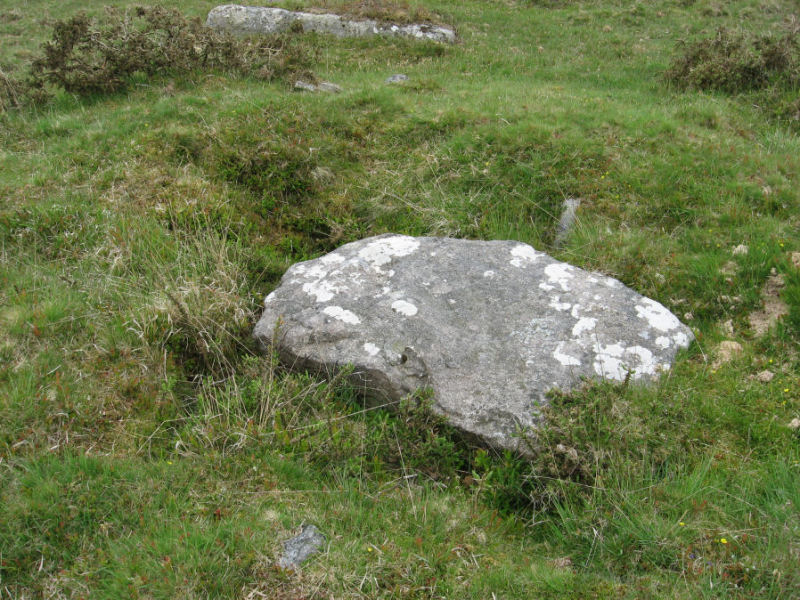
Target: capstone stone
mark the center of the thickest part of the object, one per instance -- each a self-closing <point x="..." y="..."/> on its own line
<point x="489" y="326"/>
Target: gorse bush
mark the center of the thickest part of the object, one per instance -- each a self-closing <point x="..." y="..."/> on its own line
<point x="12" y="92"/>
<point x="733" y="62"/>
<point x="87" y="57"/>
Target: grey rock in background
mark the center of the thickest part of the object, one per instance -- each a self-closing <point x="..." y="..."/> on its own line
<point x="322" y="86"/>
<point x="399" y="78"/>
<point x="255" y="19"/>
<point x="490" y="327"/>
<point x="297" y="549"/>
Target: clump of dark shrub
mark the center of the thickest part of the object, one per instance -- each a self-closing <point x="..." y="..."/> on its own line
<point x="734" y="62"/>
<point x="12" y="92"/>
<point x="87" y="57"/>
<point x="283" y="171"/>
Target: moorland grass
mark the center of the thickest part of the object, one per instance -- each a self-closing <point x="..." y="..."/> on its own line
<point x="149" y="449"/>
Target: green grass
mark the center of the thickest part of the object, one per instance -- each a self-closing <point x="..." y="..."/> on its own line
<point x="147" y="449"/>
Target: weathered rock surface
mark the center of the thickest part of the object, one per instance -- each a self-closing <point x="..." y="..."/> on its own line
<point x="255" y="19"/>
<point x="489" y="326"/>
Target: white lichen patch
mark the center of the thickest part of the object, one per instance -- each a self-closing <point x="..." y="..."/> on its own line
<point x="616" y="362"/>
<point x="681" y="339"/>
<point x="316" y="271"/>
<point x="583" y="325"/>
<point x="608" y="362"/>
<point x="322" y="291"/>
<point x="315" y="279"/>
<point x="565" y="359"/>
<point x="641" y="360"/>
<point x="663" y="342"/>
<point x="381" y="252"/>
<point x="371" y="349"/>
<point x="342" y="314"/>
<point x="332" y="259"/>
<point x="298" y="269"/>
<point x="404" y="308"/>
<point x="270" y="297"/>
<point x="488" y="273"/>
<point x="559" y="274"/>
<point x="657" y="315"/>
<point x="559" y="306"/>
<point x="523" y="254"/>
<point x="546" y="287"/>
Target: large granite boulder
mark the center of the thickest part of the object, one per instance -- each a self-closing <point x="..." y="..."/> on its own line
<point x="490" y="327"/>
<point x="256" y="19"/>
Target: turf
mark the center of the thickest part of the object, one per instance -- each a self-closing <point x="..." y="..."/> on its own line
<point x="147" y="449"/>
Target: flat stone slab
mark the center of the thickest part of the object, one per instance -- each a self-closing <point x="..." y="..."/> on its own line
<point x="490" y="327"/>
<point x="243" y="20"/>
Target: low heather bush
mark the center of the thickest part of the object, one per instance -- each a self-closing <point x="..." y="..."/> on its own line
<point x="86" y="56"/>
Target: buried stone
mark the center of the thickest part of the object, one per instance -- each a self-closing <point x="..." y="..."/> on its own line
<point x="299" y="548"/>
<point x="488" y="327"/>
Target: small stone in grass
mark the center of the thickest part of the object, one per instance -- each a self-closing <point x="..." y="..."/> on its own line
<point x="795" y="257"/>
<point x="794" y="424"/>
<point x="764" y="376"/>
<point x="398" y="78"/>
<point x="740" y="250"/>
<point x="297" y="549"/>
<point x="565" y="562"/>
